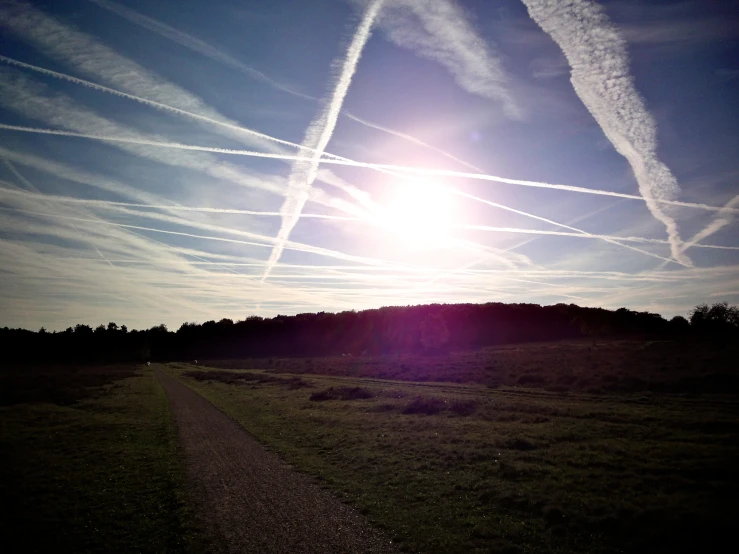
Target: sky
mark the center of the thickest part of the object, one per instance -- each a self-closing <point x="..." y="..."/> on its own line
<point x="172" y="161"/>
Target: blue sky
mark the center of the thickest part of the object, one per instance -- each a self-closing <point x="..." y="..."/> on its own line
<point x="166" y="161"/>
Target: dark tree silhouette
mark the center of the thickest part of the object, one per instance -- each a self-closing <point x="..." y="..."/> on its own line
<point x="434" y="332"/>
<point x="394" y="329"/>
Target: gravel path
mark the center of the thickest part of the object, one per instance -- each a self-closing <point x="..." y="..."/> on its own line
<point x="251" y="501"/>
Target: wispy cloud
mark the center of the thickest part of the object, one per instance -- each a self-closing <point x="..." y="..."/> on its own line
<point x="722" y="219"/>
<point x="439" y="30"/>
<point x="152" y="103"/>
<point x="33" y="100"/>
<point x="210" y="51"/>
<point x="288" y="215"/>
<point x="195" y="44"/>
<point x="110" y="204"/>
<point x="412" y="140"/>
<point x="609" y="238"/>
<point x="380" y="167"/>
<point x="84" y="53"/>
<point x="318" y="135"/>
<point x="599" y="63"/>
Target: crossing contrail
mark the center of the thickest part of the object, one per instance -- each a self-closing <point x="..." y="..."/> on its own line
<point x="87" y="55"/>
<point x="145" y="101"/>
<point x="317" y="137"/>
<point x="290" y="246"/>
<point x="579" y="232"/>
<point x="380" y="167"/>
<point x="439" y="30"/>
<point x="205" y="49"/>
<point x="599" y="64"/>
<point x="113" y="204"/>
<point x="722" y="219"/>
<point x="642" y="240"/>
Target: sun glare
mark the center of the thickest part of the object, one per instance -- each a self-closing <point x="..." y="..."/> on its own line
<point x="419" y="215"/>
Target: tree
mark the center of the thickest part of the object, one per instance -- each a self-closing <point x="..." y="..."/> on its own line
<point x="718" y="315"/>
<point x="719" y="322"/>
<point x="434" y="332"/>
<point x="679" y="324"/>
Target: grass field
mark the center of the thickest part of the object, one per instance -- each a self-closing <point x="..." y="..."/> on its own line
<point x="592" y="366"/>
<point x="449" y="467"/>
<point x="89" y="463"/>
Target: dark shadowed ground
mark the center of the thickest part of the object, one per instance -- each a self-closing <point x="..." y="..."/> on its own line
<point x="89" y="463"/>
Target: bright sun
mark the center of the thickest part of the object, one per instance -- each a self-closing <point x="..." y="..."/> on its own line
<point x="419" y="214"/>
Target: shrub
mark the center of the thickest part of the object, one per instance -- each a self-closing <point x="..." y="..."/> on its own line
<point x="341" y="393"/>
<point x="428" y="405"/>
<point x="320" y="396"/>
<point x="463" y="407"/>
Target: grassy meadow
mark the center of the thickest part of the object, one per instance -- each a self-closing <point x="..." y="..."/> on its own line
<point x="602" y="447"/>
<point x="487" y="466"/>
<point x="590" y="366"/>
<point x="89" y="462"/>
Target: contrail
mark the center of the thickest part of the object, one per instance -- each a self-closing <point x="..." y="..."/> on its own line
<point x="38" y="194"/>
<point x="113" y="204"/>
<point x="722" y="220"/>
<point x="642" y="240"/>
<point x="317" y="137"/>
<point x="597" y="55"/>
<point x="440" y="31"/>
<point x="326" y="176"/>
<point x="145" y="101"/>
<point x="580" y="232"/>
<point x="194" y="44"/>
<point x="19" y="95"/>
<point x="68" y="45"/>
<point x="176" y="110"/>
<point x="300" y="248"/>
<point x="410" y="139"/>
<point x="379" y="167"/>
<point x="197" y="45"/>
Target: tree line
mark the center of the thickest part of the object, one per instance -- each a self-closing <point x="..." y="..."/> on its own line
<point x="429" y="329"/>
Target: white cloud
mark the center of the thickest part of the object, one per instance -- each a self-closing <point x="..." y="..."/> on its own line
<point x="439" y="30"/>
<point x="599" y="64"/>
<point x="85" y="54"/>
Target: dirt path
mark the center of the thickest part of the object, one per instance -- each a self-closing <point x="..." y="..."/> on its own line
<point x="250" y="501"/>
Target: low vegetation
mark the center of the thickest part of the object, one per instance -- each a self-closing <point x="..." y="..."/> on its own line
<point x="90" y="463"/>
<point x="341" y="393"/>
<point x="469" y="468"/>
<point x="595" y="367"/>
<point x="247" y="378"/>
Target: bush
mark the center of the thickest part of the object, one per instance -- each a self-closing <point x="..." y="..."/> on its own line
<point x="463" y="407"/>
<point x="427" y="405"/>
<point x="243" y="377"/>
<point x="341" y="393"/>
<point x="320" y="396"/>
